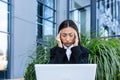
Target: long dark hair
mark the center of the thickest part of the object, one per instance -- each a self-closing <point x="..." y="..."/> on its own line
<point x="69" y="23"/>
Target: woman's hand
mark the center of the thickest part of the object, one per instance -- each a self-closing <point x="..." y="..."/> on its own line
<point x="76" y="39"/>
<point x="59" y="41"/>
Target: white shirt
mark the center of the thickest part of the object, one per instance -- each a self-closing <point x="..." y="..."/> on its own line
<point x="68" y="51"/>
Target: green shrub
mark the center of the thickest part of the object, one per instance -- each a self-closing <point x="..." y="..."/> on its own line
<point x="105" y="53"/>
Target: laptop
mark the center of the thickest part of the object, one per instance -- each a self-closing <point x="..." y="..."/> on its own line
<point x="65" y="71"/>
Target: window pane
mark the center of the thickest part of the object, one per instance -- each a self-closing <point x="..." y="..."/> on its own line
<point x="80" y="14"/>
<point x="45" y="12"/>
<point x="3" y="38"/>
<point x="108" y="18"/>
<point x="5" y="0"/>
<point x="39" y="31"/>
<point x="46" y="19"/>
<point x="75" y="4"/>
<point x="3" y="51"/>
<point x="48" y="13"/>
<point x="48" y="28"/>
<point x="49" y="3"/>
<point x="3" y="17"/>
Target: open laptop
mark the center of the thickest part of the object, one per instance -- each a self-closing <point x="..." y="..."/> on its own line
<point x="65" y="71"/>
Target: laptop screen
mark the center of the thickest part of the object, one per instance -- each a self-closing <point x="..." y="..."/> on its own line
<point x="65" y="71"/>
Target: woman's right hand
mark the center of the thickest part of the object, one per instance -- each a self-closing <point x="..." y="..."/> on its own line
<point x="59" y="40"/>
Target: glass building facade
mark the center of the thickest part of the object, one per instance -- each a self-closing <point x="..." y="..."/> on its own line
<point x="108" y="18"/>
<point x="4" y="37"/>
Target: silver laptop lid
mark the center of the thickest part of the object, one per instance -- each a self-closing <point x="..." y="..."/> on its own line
<point x="65" y="71"/>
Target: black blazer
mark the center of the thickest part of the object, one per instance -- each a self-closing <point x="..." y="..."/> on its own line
<point x="79" y="55"/>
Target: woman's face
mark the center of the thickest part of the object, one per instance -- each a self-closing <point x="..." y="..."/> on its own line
<point x="67" y="36"/>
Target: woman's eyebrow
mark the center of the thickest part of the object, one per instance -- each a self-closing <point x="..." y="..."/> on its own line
<point x="64" y="33"/>
<point x="71" y="33"/>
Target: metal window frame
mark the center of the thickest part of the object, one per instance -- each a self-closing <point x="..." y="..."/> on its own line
<point x="54" y="14"/>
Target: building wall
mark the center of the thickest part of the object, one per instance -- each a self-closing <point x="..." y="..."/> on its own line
<point x="23" y="35"/>
<point x="23" y="30"/>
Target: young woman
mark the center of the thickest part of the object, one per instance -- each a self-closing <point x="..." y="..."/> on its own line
<point x="69" y="50"/>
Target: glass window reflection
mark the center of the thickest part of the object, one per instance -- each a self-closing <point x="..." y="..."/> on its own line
<point x="79" y="11"/>
<point x="5" y="0"/>
<point x="108" y="18"/>
<point x="48" y="28"/>
<point x="49" y="3"/>
<point x="3" y="17"/>
<point x="46" y="21"/>
<point x="48" y="13"/>
<point x="3" y="38"/>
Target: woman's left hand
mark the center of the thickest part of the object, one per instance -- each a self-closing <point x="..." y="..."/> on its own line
<point x="76" y="39"/>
